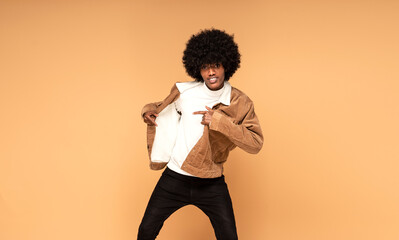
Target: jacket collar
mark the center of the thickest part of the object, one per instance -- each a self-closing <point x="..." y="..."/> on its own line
<point x="224" y="98"/>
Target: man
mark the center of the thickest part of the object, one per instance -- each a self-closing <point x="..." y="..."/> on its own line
<point x="192" y="131"/>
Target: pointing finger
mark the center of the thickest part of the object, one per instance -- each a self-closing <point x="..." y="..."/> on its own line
<point x="200" y="112"/>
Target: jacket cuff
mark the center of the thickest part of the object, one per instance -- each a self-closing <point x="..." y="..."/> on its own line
<point x="148" y="107"/>
<point x="217" y="122"/>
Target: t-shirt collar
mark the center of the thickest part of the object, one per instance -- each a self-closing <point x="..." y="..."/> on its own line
<point x="224" y="97"/>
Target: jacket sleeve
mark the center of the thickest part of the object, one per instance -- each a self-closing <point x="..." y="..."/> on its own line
<point x="246" y="134"/>
<point x="154" y="106"/>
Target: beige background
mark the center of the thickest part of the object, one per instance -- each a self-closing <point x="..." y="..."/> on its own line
<point x="323" y="75"/>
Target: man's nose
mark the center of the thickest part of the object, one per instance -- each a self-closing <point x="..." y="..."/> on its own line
<point x="211" y="71"/>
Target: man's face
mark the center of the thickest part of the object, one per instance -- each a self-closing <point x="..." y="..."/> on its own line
<point x="213" y="75"/>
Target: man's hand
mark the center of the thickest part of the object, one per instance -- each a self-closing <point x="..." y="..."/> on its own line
<point x="149" y="118"/>
<point x="207" y="115"/>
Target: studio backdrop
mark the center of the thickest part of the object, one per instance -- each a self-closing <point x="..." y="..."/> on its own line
<point x="323" y="75"/>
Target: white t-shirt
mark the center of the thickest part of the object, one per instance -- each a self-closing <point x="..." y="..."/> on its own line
<point x="190" y="129"/>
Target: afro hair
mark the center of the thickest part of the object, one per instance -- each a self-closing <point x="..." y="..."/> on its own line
<point x="208" y="47"/>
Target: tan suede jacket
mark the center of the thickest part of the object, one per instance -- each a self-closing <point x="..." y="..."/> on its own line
<point x="231" y="125"/>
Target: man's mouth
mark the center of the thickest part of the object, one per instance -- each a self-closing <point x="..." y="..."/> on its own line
<point x="213" y="80"/>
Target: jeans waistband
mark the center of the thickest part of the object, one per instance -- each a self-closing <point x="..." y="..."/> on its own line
<point x="186" y="178"/>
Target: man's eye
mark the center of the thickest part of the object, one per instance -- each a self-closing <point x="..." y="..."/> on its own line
<point x="217" y="65"/>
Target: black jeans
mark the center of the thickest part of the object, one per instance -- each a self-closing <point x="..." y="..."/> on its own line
<point x="175" y="190"/>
